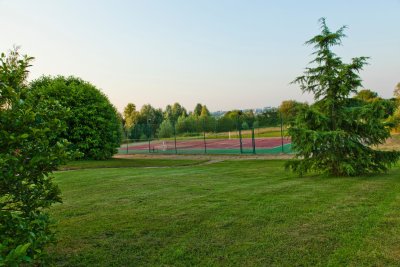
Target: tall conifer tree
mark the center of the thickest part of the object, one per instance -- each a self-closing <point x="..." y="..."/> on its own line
<point x="337" y="134"/>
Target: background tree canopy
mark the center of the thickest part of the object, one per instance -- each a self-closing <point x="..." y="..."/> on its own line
<point x="366" y="95"/>
<point x="150" y="122"/>
<point x="93" y="125"/>
<point x="397" y="90"/>
<point x="337" y="133"/>
<point x="289" y="109"/>
<point x="130" y="115"/>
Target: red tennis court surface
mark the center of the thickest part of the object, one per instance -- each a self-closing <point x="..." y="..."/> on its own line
<point x="260" y="143"/>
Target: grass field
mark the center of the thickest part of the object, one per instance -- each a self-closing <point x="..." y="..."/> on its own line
<point x="231" y="213"/>
<point x="126" y="163"/>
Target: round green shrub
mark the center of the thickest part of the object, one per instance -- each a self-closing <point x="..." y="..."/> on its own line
<point x="93" y="125"/>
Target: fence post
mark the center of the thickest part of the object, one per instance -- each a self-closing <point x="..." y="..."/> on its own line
<point x="281" y="130"/>
<point x="204" y="135"/>
<point x="240" y="139"/>
<point x="126" y="139"/>
<point x="253" y="140"/>
<point x="205" y="143"/>
<point x="215" y="128"/>
<point x="176" y="151"/>
<point x="149" y="133"/>
<point x="239" y="128"/>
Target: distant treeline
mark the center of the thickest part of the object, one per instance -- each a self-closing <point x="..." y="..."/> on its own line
<point x="150" y="122"/>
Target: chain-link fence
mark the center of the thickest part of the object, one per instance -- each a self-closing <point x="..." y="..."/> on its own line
<point x="170" y="138"/>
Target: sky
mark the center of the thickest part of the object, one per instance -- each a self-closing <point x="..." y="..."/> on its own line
<point x="226" y="54"/>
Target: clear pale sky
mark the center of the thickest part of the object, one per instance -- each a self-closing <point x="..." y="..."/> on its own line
<point x="226" y="54"/>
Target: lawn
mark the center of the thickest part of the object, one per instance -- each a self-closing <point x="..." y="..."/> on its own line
<point x="230" y="213"/>
<point x="126" y="163"/>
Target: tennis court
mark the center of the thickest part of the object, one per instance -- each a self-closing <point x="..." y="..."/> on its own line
<point x="265" y="145"/>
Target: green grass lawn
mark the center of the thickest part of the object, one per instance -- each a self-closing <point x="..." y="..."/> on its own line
<point x="125" y="163"/>
<point x="231" y="213"/>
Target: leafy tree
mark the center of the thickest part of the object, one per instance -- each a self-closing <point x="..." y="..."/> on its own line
<point x="256" y="124"/>
<point x="396" y="115"/>
<point x="269" y="117"/>
<point x="94" y="127"/>
<point x="204" y="111"/>
<point x="205" y="120"/>
<point x="166" y="129"/>
<point x="236" y="116"/>
<point x="197" y="109"/>
<point x="206" y="123"/>
<point x="335" y="135"/>
<point x="178" y="110"/>
<point x="181" y="126"/>
<point x="289" y="109"/>
<point x="231" y="121"/>
<point x="249" y="118"/>
<point x="30" y="149"/>
<point x="396" y="119"/>
<point x="388" y="105"/>
<point x="187" y="124"/>
<point x="130" y="115"/>
<point x="225" y="124"/>
<point x="172" y="113"/>
<point x="139" y="131"/>
<point x="211" y="124"/>
<point x="366" y="95"/>
<point x="397" y="90"/>
<point x="150" y="118"/>
<point x="168" y="112"/>
<point x="150" y="114"/>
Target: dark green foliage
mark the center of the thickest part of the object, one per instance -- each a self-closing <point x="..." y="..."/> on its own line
<point x="30" y="149"/>
<point x="269" y="117"/>
<point x="130" y="116"/>
<point x="397" y="90"/>
<point x="187" y="124"/>
<point x="207" y="123"/>
<point x="140" y="131"/>
<point x="172" y="113"/>
<point x="366" y="95"/>
<point x="248" y="117"/>
<point x="336" y="134"/>
<point x="94" y="127"/>
<point x="166" y="129"/>
<point x="226" y="124"/>
<point x="289" y="109"/>
<point x="396" y="115"/>
<point x="197" y="109"/>
<point x="148" y="122"/>
<point x="204" y="111"/>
